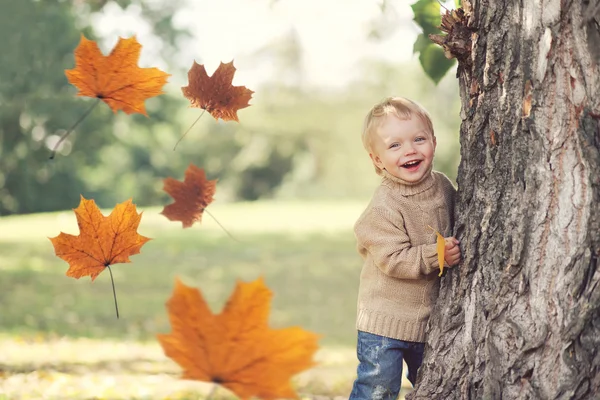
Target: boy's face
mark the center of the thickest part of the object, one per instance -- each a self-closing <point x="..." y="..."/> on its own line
<point x="404" y="148"/>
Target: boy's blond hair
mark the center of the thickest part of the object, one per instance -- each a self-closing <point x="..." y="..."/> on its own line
<point x="400" y="107"/>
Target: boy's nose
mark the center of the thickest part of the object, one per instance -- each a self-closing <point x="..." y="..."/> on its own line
<point x="409" y="150"/>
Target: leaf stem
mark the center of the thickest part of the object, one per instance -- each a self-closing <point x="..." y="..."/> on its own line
<point x="212" y="391"/>
<point x="63" y="137"/>
<point x="222" y="227"/>
<point x="442" y="5"/>
<point x="182" y="136"/>
<point x="113" y="287"/>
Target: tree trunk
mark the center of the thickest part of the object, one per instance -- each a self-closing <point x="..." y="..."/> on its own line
<point x="520" y="317"/>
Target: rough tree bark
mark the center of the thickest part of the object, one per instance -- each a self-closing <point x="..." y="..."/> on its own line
<point x="520" y="317"/>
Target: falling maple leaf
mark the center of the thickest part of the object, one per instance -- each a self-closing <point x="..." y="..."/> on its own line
<point x="191" y="196"/>
<point x="115" y="79"/>
<point x="236" y="348"/>
<point x="216" y="94"/>
<point x="102" y="241"/>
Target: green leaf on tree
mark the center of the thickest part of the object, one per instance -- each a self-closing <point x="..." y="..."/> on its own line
<point x="421" y="43"/>
<point x="427" y="15"/>
<point x="434" y="62"/>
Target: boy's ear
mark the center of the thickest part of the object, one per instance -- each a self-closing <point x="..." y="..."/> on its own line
<point x="376" y="160"/>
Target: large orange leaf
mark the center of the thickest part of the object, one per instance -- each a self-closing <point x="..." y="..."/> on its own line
<point x="216" y="94"/>
<point x="102" y="241"/>
<point x="236" y="348"/>
<point x="115" y="79"/>
<point x="191" y="196"/>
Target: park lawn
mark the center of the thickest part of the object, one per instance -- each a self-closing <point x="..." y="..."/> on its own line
<point x="304" y="251"/>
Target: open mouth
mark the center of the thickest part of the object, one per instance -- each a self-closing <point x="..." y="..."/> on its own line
<point x="411" y="164"/>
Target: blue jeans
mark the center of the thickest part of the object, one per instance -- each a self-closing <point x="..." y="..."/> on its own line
<point x="379" y="372"/>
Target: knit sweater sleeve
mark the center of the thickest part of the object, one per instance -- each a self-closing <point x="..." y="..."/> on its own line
<point x="383" y="237"/>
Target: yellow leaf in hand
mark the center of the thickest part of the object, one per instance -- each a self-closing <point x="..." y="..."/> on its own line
<point x="441" y="248"/>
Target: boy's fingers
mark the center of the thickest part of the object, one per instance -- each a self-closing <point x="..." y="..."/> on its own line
<point x="453" y="259"/>
<point x="453" y="251"/>
<point x="450" y="245"/>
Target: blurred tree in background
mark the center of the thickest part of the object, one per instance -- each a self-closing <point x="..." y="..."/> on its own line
<point x="296" y="140"/>
<point x="37" y="105"/>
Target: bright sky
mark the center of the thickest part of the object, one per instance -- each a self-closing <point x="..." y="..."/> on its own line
<point x="332" y="33"/>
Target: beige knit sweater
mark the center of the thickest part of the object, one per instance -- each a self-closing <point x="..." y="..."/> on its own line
<point x="399" y="280"/>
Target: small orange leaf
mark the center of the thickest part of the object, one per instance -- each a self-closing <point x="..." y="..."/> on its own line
<point x="191" y="196"/>
<point x="441" y="249"/>
<point x="115" y="79"/>
<point x="102" y="241"/>
<point x="236" y="348"/>
<point x="216" y="94"/>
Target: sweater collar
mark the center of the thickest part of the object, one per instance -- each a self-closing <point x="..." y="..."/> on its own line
<point x="410" y="188"/>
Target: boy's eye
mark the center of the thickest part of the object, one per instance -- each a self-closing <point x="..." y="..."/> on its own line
<point x="419" y="139"/>
<point x="393" y="145"/>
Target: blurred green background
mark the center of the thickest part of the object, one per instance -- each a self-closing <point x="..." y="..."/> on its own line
<point x="292" y="179"/>
<point x="296" y="140"/>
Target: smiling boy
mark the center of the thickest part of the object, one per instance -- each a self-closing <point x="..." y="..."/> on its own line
<point x="399" y="278"/>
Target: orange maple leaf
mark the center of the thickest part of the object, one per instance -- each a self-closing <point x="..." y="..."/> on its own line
<point x="102" y="241"/>
<point x="216" y="94"/>
<point x="191" y="196"/>
<point x="236" y="348"/>
<point x="115" y="79"/>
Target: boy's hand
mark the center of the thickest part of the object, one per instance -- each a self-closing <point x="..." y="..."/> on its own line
<point x="452" y="251"/>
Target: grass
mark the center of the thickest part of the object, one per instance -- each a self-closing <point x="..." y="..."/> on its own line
<point x="304" y="251"/>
